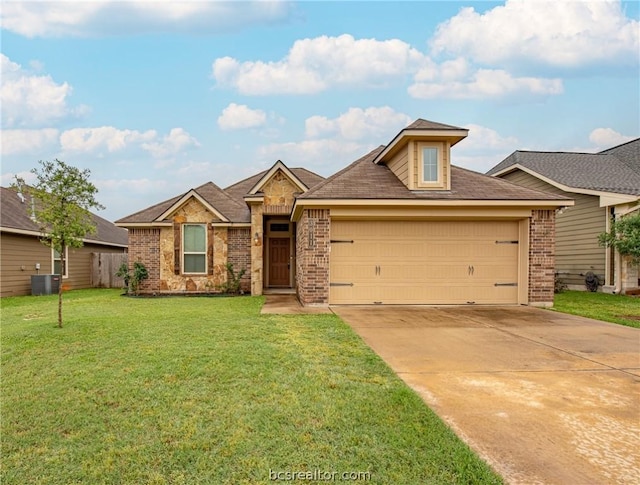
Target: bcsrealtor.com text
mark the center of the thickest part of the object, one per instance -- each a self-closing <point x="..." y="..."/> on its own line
<point x="318" y="475"/>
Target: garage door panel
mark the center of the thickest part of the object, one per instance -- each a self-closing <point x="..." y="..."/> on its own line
<point x="441" y="262"/>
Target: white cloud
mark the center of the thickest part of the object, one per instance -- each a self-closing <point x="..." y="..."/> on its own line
<point x="607" y="138"/>
<point x="484" y="83"/>
<point x="176" y="141"/>
<point x="133" y="186"/>
<point x="358" y="123"/>
<point x="325" y="156"/>
<point x="240" y="116"/>
<point x="103" y="138"/>
<point x="32" y="100"/>
<point x="556" y="33"/>
<point x="94" y="18"/>
<point x="28" y="141"/>
<point x="483" y="148"/>
<point x="8" y="178"/>
<point x="314" y="65"/>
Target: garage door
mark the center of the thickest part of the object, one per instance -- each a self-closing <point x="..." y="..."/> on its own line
<point x="424" y="262"/>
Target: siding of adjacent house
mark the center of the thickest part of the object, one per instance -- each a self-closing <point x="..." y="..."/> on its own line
<point x="19" y="251"/>
<point x="577" y="229"/>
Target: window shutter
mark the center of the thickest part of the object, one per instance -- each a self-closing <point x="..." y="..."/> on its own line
<point x="210" y="249"/>
<point x="177" y="236"/>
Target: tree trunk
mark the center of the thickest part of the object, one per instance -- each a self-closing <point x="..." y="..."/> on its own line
<point x="63" y="266"/>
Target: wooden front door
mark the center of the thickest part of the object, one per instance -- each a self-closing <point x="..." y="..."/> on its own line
<point x="279" y="264"/>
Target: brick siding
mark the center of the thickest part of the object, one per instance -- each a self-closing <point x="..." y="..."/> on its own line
<point x="144" y="247"/>
<point x="312" y="252"/>
<point x="239" y="253"/>
<point x="541" y="256"/>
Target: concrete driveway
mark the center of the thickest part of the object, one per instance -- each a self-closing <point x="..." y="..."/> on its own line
<point x="544" y="397"/>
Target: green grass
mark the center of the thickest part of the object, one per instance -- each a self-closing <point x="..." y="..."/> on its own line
<point x="206" y="391"/>
<point x="621" y="309"/>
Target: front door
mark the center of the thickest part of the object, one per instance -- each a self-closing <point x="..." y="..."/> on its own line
<point x="279" y="264"/>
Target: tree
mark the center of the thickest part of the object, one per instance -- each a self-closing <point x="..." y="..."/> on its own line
<point x="624" y="236"/>
<point x="63" y="198"/>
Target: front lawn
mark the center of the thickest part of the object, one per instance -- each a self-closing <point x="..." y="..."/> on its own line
<point x="207" y="391"/>
<point x="621" y="309"/>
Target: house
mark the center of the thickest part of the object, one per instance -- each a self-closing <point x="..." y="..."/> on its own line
<point x="22" y="254"/>
<point x="400" y="225"/>
<point x="604" y="185"/>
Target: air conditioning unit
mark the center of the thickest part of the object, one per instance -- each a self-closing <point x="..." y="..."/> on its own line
<point x="45" y="284"/>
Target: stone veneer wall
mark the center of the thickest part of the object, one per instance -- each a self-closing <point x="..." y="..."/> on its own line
<point x="144" y="247"/>
<point x="541" y="257"/>
<point x="312" y="251"/>
<point x="239" y="255"/>
<point x="256" y="248"/>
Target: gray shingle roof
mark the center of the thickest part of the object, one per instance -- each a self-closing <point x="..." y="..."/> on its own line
<point x="616" y="170"/>
<point x="421" y="124"/>
<point x="365" y="180"/>
<point x="628" y="153"/>
<point x="210" y="192"/>
<point x="229" y="202"/>
<point x="242" y="188"/>
<point x="14" y="214"/>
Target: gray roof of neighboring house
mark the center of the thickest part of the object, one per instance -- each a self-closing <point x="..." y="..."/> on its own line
<point x="15" y="214"/>
<point x="365" y="180"/>
<point x="615" y="170"/>
<point x="229" y="202"/>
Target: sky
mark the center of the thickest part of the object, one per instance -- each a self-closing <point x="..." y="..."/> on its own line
<point x="158" y="97"/>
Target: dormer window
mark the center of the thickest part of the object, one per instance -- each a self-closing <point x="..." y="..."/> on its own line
<point x="430" y="165"/>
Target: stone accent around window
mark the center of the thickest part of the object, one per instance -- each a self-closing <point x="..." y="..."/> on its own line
<point x="541" y="257"/>
<point x="312" y="253"/>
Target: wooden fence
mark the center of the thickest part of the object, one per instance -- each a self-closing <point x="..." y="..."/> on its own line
<point x="104" y="267"/>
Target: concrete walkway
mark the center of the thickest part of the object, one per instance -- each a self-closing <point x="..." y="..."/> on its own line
<point x="544" y="397"/>
<point x="288" y="305"/>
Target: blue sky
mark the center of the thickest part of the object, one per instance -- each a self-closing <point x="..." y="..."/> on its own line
<point x="158" y="97"/>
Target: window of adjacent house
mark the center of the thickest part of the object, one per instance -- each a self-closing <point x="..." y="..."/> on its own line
<point x="57" y="262"/>
<point x="429" y="164"/>
<point x="194" y="252"/>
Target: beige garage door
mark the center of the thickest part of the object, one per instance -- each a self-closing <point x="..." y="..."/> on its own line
<point x="424" y="262"/>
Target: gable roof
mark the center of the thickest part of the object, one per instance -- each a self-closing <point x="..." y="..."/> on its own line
<point x="228" y="202"/>
<point x="364" y="179"/>
<point x="616" y="170"/>
<point x="269" y="173"/>
<point x="239" y="189"/>
<point x="210" y="194"/>
<point x="15" y="216"/>
<point x="421" y="128"/>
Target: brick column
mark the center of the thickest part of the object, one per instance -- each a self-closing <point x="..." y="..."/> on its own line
<point x="312" y="257"/>
<point x="541" y="257"/>
<point x="240" y="254"/>
<point x="144" y="247"/>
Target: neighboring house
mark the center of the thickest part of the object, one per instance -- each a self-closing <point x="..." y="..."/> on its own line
<point x="398" y="226"/>
<point x="21" y="251"/>
<point x="604" y="185"/>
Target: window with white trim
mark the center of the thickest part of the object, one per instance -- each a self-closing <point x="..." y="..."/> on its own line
<point x="194" y="248"/>
<point x="430" y="167"/>
<point x="56" y="262"/>
<point x="432" y="173"/>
